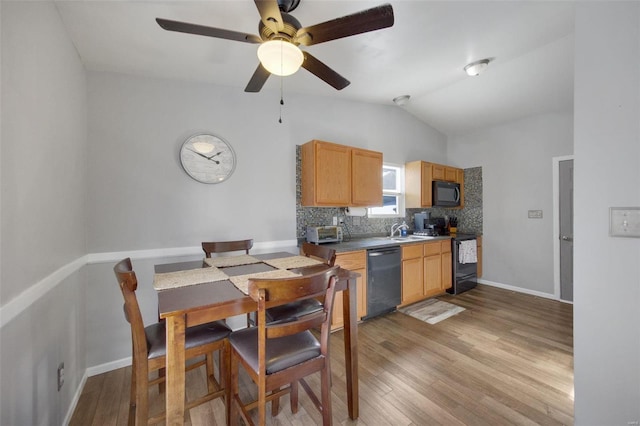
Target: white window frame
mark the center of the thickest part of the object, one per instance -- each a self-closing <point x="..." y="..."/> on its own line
<point x="399" y="192"/>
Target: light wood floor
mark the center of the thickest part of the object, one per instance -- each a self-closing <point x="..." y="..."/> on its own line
<point x="506" y="359"/>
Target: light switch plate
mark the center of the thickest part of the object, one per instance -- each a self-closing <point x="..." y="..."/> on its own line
<point x="535" y="214"/>
<point x="624" y="222"/>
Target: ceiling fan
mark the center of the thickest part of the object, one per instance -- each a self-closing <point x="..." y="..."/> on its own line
<point x="281" y="34"/>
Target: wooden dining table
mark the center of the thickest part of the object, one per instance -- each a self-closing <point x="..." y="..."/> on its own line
<point x="190" y="305"/>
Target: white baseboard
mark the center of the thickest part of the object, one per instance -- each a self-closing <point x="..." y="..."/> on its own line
<point x="108" y="366"/>
<point x="74" y="401"/>
<point x="520" y="289"/>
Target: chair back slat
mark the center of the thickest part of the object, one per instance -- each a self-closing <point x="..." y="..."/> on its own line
<point x="275" y="292"/>
<point x="128" y="284"/>
<point x="306" y="322"/>
<point x="286" y="290"/>
<point x="322" y="253"/>
<point x="210" y="247"/>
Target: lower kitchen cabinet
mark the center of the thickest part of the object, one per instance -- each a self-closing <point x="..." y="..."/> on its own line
<point x="412" y="274"/>
<point x="447" y="271"/>
<point x="426" y="270"/>
<point x="355" y="261"/>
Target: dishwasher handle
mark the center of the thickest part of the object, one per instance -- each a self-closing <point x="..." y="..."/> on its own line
<point x="383" y="252"/>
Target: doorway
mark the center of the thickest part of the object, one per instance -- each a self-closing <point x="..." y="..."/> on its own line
<point x="563" y="228"/>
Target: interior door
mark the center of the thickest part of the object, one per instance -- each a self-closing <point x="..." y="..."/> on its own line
<point x="566" y="229"/>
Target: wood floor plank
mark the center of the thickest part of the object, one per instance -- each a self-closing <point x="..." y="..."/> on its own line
<point x="507" y="359"/>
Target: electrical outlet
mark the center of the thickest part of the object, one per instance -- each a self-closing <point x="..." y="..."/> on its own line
<point x="60" y="376"/>
<point x="335" y="220"/>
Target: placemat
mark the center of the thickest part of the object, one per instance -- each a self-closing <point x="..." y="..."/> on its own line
<point x="242" y="281"/>
<point x="292" y="262"/>
<point x="221" y="262"/>
<point x="189" y="277"/>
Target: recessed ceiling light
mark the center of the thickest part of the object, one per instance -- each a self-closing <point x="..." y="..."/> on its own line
<point x="475" y="68"/>
<point x="401" y="100"/>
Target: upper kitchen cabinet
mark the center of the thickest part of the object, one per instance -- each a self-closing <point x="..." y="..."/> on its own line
<point x="336" y="175"/>
<point x="419" y="178"/>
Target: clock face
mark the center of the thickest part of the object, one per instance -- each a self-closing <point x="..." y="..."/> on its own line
<point x="207" y="158"/>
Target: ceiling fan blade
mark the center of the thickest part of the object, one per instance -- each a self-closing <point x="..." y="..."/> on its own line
<point x="323" y="72"/>
<point x="258" y="79"/>
<point x="361" y="22"/>
<point x="185" y="27"/>
<point x="270" y="14"/>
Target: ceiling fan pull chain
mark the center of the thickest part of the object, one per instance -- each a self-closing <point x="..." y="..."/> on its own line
<point x="281" y="101"/>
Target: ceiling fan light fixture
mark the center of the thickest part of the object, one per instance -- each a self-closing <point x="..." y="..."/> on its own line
<point x="280" y="57"/>
<point x="475" y="68"/>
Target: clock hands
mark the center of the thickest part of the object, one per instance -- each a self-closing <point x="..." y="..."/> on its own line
<point x="214" y="155"/>
<point x="204" y="156"/>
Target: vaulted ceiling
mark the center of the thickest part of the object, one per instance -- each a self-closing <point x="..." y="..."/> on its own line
<point x="421" y="55"/>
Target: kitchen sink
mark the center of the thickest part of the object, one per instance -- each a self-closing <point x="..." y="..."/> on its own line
<point x="409" y="238"/>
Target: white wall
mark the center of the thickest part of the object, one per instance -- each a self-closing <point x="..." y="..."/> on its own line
<point x="141" y="199"/>
<point x="44" y="125"/>
<point x="516" y="161"/>
<point x="607" y="174"/>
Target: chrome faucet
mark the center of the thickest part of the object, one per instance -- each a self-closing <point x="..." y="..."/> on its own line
<point x="394" y="229"/>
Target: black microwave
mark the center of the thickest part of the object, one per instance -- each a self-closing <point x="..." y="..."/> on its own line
<point x="446" y="194"/>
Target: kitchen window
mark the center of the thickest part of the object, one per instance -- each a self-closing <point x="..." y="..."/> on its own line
<point x="392" y="192"/>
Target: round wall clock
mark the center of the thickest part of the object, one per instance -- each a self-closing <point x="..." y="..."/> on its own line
<point x="207" y="158"/>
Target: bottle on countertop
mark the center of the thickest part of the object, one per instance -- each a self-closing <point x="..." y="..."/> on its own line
<point x="403" y="229"/>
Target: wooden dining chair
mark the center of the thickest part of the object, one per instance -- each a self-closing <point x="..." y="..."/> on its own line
<point x="226" y="246"/>
<point x="149" y="352"/>
<point x="210" y="247"/>
<point x="297" y="309"/>
<point x="277" y="356"/>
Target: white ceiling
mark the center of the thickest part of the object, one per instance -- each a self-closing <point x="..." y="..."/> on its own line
<point x="422" y="55"/>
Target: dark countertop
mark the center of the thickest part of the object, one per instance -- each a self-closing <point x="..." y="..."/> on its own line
<point x="356" y="244"/>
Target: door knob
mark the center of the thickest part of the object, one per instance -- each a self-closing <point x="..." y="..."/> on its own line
<point x="566" y="238"/>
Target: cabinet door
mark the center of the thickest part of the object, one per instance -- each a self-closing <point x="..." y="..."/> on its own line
<point x="432" y="275"/>
<point x="447" y="273"/>
<point x="354" y="261"/>
<point x="337" y="318"/>
<point x="426" y="187"/>
<point x="450" y="174"/>
<point x="412" y="280"/>
<point x="326" y="174"/>
<point x="366" y="184"/>
<point x="333" y="174"/>
<point x="438" y="172"/>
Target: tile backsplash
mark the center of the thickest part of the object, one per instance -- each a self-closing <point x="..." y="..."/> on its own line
<point x="469" y="218"/>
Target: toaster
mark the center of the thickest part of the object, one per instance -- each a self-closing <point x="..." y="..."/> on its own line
<point x="324" y="234"/>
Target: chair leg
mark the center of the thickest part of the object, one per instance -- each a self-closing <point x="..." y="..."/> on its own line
<point x="225" y="377"/>
<point x="293" y="397"/>
<point x="275" y="404"/>
<point x="325" y="383"/>
<point x="262" y="400"/>
<point x="141" y="396"/>
<point x="210" y="373"/>
<point x="132" y="396"/>
<point x="231" y="405"/>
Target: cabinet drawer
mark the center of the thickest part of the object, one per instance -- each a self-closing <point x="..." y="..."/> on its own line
<point x="431" y="249"/>
<point x="445" y="246"/>
<point x="411" y="251"/>
<point x="352" y="260"/>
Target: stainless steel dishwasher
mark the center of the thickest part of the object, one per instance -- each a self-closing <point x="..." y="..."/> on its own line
<point x="383" y="280"/>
